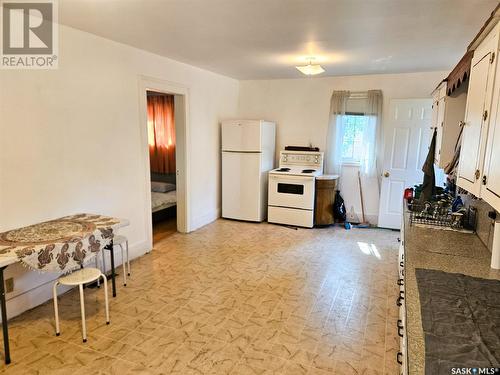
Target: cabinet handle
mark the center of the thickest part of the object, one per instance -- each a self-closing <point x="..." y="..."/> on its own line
<point x="400" y="328"/>
<point x="399" y="358"/>
<point x="400" y="298"/>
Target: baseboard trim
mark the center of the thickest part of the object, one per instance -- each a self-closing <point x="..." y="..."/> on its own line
<point x="205" y="219"/>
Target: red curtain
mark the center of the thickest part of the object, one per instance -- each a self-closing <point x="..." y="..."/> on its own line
<point x="161" y="133"/>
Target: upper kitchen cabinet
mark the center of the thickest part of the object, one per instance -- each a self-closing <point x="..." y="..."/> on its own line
<point x="447" y="115"/>
<point x="490" y="190"/>
<point x="478" y="113"/>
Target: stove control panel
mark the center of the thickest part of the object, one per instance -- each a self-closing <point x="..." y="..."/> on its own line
<point x="303" y="158"/>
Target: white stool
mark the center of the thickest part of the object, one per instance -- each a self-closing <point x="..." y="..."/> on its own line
<point x="81" y="277"/>
<point x="119" y="240"/>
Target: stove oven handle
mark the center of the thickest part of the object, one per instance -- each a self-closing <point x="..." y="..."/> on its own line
<point x="291" y="178"/>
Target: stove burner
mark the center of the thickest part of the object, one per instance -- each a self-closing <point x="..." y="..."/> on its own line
<point x="283" y="170"/>
<point x="308" y="170"/>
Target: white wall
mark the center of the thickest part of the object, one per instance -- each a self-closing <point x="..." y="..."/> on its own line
<point x="301" y="107"/>
<point x="70" y="142"/>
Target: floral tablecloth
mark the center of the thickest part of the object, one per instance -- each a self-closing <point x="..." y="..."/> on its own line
<point x="59" y="245"/>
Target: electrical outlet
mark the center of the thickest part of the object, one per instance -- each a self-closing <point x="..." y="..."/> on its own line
<point x="9" y="285"/>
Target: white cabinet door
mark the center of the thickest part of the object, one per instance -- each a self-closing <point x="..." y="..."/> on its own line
<point x="407" y="138"/>
<point x="439" y="126"/>
<point x="491" y="191"/>
<point x="477" y="114"/>
<point x="469" y="170"/>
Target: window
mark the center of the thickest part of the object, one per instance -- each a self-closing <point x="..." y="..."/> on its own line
<point x="353" y="131"/>
<point x="354" y="146"/>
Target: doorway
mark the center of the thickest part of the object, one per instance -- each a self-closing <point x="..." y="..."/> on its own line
<point x="162" y="165"/>
<point x="163" y="110"/>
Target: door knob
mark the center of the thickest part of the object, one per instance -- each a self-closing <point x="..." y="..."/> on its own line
<point x="386" y="174"/>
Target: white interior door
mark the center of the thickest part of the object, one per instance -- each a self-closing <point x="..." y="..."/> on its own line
<point x="407" y="135"/>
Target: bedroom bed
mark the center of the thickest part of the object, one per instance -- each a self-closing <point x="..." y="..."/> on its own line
<point x="163" y="201"/>
<point x="160" y="201"/>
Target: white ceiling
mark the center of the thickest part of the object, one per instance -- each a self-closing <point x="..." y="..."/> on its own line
<point x="261" y="39"/>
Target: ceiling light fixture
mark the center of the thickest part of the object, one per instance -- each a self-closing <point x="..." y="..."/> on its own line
<point x="310" y="69"/>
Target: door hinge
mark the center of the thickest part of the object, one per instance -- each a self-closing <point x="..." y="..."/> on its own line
<point x="485" y="180"/>
<point x="478" y="174"/>
<point x="492" y="57"/>
<point x="485" y="115"/>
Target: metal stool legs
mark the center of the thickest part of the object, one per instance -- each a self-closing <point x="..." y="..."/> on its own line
<point x="125" y="262"/>
<point x="128" y="259"/>
<point x="56" y="309"/>
<point x="97" y="266"/>
<point x="82" y="306"/>
<point x="106" y="301"/>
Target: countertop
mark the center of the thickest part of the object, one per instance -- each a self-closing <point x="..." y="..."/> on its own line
<point x="443" y="250"/>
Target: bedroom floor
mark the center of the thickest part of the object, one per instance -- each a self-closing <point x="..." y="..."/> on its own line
<point x="164" y="229"/>
<point x="236" y="298"/>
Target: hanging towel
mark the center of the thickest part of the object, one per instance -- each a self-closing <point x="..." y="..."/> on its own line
<point x="429" y="184"/>
<point x="452" y="166"/>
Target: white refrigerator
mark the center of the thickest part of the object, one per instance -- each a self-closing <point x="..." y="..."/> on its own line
<point x="248" y="148"/>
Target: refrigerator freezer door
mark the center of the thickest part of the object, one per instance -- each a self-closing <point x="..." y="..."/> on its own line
<point x="243" y="136"/>
<point x="241" y="186"/>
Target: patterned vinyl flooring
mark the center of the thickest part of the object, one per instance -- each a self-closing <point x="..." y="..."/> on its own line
<point x="231" y="298"/>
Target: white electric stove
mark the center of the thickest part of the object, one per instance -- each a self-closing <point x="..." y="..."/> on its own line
<point x="292" y="188"/>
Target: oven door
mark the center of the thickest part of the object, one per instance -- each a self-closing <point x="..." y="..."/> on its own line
<point x="291" y="191"/>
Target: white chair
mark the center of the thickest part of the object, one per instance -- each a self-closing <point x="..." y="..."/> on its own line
<point x="81" y="277"/>
<point x="122" y="241"/>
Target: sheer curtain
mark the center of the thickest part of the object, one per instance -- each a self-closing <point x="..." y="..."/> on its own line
<point x="335" y="134"/>
<point x="161" y="133"/>
<point x="343" y="106"/>
<point x="371" y="135"/>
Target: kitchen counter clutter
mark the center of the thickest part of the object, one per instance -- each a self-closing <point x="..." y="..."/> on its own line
<point x="432" y="249"/>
